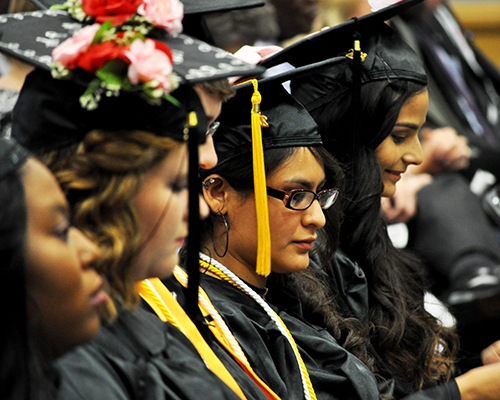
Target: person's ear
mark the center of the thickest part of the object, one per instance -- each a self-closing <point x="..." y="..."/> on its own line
<point x="215" y="192"/>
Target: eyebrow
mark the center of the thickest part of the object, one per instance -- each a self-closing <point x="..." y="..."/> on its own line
<point x="406" y="125"/>
<point x="307" y="184"/>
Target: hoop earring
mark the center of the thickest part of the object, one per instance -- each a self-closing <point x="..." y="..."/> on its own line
<point x="226" y="226"/>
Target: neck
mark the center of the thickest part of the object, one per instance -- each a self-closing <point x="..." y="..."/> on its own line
<point x="243" y="270"/>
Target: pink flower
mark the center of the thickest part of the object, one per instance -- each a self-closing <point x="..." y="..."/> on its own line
<point x="150" y="60"/>
<point x="69" y="51"/>
<point x="166" y="14"/>
<point x="379" y="4"/>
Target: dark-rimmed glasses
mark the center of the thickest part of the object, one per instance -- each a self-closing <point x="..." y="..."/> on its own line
<point x="212" y="128"/>
<point x="301" y="199"/>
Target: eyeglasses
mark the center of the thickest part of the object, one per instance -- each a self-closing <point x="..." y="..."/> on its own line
<point x="301" y="199"/>
<point x="212" y="128"/>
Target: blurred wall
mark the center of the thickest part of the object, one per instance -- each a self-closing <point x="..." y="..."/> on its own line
<point x="482" y="17"/>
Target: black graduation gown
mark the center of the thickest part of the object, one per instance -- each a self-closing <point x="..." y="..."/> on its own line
<point x="246" y="384"/>
<point x="334" y="372"/>
<point x="138" y="357"/>
<point x="348" y="284"/>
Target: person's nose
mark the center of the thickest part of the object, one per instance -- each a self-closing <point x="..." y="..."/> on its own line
<point x="88" y="252"/>
<point x="413" y="154"/>
<point x="314" y="216"/>
<point x="207" y="154"/>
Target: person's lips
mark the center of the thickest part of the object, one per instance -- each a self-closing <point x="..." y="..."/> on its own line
<point x="99" y="297"/>
<point x="395" y="175"/>
<point x="306" y="244"/>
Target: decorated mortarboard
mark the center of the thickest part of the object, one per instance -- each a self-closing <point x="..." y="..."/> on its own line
<point x="32" y="38"/>
<point x="276" y="120"/>
<point x="121" y="61"/>
<point x="12" y="156"/>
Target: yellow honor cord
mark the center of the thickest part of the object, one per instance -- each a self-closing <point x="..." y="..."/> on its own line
<point x="154" y="292"/>
<point x="309" y="392"/>
<point x="263" y="266"/>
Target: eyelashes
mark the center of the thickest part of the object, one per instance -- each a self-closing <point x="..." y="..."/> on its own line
<point x="62" y="232"/>
<point x="398" y="139"/>
<point x="178" y="186"/>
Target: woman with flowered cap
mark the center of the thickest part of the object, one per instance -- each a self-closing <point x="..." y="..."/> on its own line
<point x="54" y="295"/>
<point x="116" y="135"/>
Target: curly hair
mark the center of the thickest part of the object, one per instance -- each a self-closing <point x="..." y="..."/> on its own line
<point x="100" y="179"/>
<point x="413" y="345"/>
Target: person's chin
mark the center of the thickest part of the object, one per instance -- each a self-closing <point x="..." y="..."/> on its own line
<point x="301" y="262"/>
<point x="166" y="269"/>
<point x="389" y="189"/>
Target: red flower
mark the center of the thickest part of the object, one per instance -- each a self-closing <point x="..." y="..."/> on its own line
<point x="116" y="10"/>
<point x="99" y="54"/>
<point x="167" y="50"/>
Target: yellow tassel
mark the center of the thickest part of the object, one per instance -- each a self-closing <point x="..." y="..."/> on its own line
<point x="263" y="266"/>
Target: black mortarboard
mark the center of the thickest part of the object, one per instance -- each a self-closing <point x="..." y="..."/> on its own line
<point x="382" y="55"/>
<point x="12" y="156"/>
<point x="330" y="42"/>
<point x="388" y="57"/>
<point x="290" y="125"/>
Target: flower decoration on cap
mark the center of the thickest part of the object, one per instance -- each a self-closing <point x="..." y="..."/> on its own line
<point x="117" y="51"/>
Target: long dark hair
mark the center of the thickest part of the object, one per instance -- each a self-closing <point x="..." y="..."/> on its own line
<point x="239" y="174"/>
<point x="15" y="349"/>
<point x="413" y="345"/>
<point x="23" y="374"/>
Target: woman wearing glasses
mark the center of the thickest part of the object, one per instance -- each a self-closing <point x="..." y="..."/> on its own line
<point x="296" y="359"/>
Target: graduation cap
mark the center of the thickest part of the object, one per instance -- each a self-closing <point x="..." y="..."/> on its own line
<point x="358" y="51"/>
<point x="330" y="42"/>
<point x="195" y="11"/>
<point x="288" y="123"/>
<point x="276" y="120"/>
<point x="12" y="156"/>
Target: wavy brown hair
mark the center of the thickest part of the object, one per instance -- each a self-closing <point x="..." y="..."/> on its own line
<point x="100" y="178"/>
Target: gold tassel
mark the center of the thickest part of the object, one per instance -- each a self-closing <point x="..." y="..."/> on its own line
<point x="263" y="266"/>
